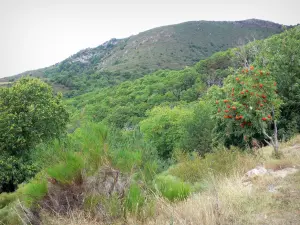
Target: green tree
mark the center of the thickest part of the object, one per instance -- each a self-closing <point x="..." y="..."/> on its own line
<point x="198" y="129"/>
<point x="164" y="128"/>
<point x="246" y="105"/>
<point x="281" y="54"/>
<point x="29" y="113"/>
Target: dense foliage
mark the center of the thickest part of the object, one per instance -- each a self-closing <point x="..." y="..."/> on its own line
<point x="245" y="105"/>
<point x="167" y="134"/>
<point x="29" y="114"/>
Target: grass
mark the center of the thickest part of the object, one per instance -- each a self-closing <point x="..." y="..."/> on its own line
<point x="230" y="201"/>
<point x="227" y="199"/>
<point x="197" y="190"/>
<point x="172" y="188"/>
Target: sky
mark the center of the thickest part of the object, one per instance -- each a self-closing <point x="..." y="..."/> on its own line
<point x="40" y="33"/>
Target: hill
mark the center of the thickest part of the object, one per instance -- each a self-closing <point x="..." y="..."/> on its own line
<point x="127" y="102"/>
<point x="167" y="47"/>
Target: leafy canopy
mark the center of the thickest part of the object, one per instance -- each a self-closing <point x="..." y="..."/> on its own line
<point x="29" y="114"/>
<point x="244" y="104"/>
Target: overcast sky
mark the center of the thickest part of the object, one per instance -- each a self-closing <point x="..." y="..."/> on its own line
<point x="38" y="33"/>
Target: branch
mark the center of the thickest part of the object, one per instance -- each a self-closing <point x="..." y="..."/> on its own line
<point x="270" y="138"/>
<point x="268" y="142"/>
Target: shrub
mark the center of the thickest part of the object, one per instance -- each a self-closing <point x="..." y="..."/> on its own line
<point x="7" y="198"/>
<point x="14" y="170"/>
<point x="134" y="199"/>
<point x="222" y="162"/>
<point x="33" y="192"/>
<point x="172" y="188"/>
<point x="125" y="160"/>
<point x="68" y="171"/>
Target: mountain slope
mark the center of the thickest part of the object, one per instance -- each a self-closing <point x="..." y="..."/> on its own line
<point x="125" y="105"/>
<point x="168" y="47"/>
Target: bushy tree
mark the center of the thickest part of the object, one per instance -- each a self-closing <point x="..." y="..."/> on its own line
<point x="29" y="113"/>
<point x="282" y="56"/>
<point x="247" y="105"/>
<point x="164" y="128"/>
<point x="198" y="129"/>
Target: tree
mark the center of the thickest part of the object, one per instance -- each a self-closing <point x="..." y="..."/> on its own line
<point x="164" y="127"/>
<point x="29" y="113"/>
<point x="282" y="56"/>
<point x="247" y="105"/>
<point x="198" y="129"/>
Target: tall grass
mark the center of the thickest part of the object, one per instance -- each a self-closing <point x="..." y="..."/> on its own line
<point x="222" y="162"/>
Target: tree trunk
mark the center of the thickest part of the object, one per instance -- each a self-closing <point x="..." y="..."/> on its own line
<point x="276" y="145"/>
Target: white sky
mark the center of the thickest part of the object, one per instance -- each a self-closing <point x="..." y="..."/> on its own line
<point x="39" y="33"/>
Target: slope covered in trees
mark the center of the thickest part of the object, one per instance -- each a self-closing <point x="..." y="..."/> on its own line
<point x="168" y="47"/>
<point x="166" y="135"/>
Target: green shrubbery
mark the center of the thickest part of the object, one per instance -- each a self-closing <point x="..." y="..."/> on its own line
<point x="68" y="171"/>
<point x="33" y="192"/>
<point x="172" y="188"/>
<point x="15" y="170"/>
<point x="134" y="198"/>
<point x="221" y="162"/>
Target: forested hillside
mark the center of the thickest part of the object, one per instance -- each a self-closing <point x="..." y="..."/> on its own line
<point x="168" y="47"/>
<point x="174" y="146"/>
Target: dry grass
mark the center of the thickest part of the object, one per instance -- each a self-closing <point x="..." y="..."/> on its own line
<point x="72" y="218"/>
<point x="223" y="204"/>
<point x="266" y="200"/>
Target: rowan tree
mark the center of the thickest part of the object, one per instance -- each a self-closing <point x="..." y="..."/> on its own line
<point x="248" y="104"/>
